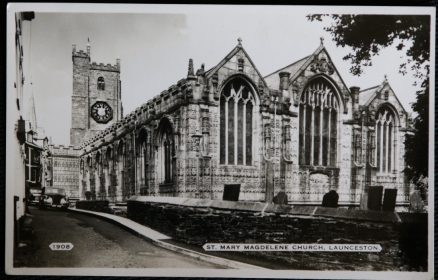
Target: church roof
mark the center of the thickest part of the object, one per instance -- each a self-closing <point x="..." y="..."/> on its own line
<point x="232" y="53"/>
<point x="273" y="79"/>
<point x="366" y="95"/>
<point x="296" y="68"/>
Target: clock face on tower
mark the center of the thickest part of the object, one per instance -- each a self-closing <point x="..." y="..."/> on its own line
<point x="101" y="112"/>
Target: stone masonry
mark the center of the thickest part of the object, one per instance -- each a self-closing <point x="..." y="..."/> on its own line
<point x="65" y="169"/>
<point x="86" y="93"/>
<point x="299" y="130"/>
<point x="200" y="221"/>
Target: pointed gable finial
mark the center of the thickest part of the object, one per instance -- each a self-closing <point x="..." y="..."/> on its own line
<point x="88" y="46"/>
<point x="322" y="40"/>
<point x="239" y="42"/>
<point x="191" y="71"/>
<point x="385" y="78"/>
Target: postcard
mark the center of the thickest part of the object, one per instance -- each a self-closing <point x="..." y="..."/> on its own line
<point x="220" y="141"/>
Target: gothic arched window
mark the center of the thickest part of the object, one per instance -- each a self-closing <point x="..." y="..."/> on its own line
<point x="319" y="109"/>
<point x="165" y="151"/>
<point x="236" y="123"/>
<point x="143" y="152"/>
<point x="385" y="139"/>
<point x="101" y="83"/>
<point x="120" y="162"/>
<point x="109" y="158"/>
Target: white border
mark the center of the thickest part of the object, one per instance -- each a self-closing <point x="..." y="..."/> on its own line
<point x="181" y="9"/>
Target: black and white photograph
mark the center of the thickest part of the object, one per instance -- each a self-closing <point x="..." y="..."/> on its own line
<point x="220" y="141"/>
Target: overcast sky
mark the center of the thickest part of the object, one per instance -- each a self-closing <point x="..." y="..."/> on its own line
<point x="155" y="48"/>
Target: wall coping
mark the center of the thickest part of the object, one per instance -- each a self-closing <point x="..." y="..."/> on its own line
<point x="266" y="208"/>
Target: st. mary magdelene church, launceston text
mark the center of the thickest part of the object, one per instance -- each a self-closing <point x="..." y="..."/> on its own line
<point x="231" y="132"/>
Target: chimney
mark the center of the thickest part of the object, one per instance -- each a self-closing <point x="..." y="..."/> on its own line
<point x="74" y="48"/>
<point x="355" y="93"/>
<point x="284" y="80"/>
<point x="355" y="96"/>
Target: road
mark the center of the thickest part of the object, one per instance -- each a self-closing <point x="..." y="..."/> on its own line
<point x="97" y="243"/>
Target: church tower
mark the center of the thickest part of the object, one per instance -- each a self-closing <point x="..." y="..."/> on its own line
<point x="96" y="97"/>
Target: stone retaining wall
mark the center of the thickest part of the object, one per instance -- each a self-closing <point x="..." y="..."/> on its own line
<point x="198" y="221"/>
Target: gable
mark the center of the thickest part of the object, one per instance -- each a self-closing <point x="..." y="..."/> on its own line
<point x="273" y="79"/>
<point x="385" y="94"/>
<point x="319" y="64"/>
<point x="229" y="66"/>
<point x="366" y="95"/>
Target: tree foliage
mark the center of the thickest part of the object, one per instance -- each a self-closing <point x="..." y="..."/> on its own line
<point x="416" y="146"/>
<point x="367" y="35"/>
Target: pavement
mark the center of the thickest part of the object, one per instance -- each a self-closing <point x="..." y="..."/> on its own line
<point x="166" y="242"/>
<point x="100" y="242"/>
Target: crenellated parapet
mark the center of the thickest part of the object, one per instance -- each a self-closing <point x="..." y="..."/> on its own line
<point x="105" y="67"/>
<point x="79" y="53"/>
<point x="167" y="101"/>
<point x="61" y="150"/>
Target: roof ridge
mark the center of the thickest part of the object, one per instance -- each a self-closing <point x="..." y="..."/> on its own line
<point x="293" y="63"/>
<point x="362" y="90"/>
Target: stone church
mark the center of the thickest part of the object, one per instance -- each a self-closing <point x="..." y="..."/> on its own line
<point x="231" y="133"/>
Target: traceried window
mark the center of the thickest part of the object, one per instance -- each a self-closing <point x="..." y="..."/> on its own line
<point x="236" y="123"/>
<point x="318" y="113"/>
<point x="100" y="83"/>
<point x="166" y="151"/>
<point x="143" y="152"/>
<point x="385" y="139"/>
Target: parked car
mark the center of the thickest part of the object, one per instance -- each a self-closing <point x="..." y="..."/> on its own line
<point x="34" y="197"/>
<point x="54" y="198"/>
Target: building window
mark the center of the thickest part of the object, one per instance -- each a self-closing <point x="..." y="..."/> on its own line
<point x="385" y="139"/>
<point x="120" y="164"/>
<point x="318" y="113"/>
<point x="166" y="151"/>
<point x="100" y="83"/>
<point x="372" y="147"/>
<point x="236" y="123"/>
<point x="33" y="174"/>
<point x="144" y="151"/>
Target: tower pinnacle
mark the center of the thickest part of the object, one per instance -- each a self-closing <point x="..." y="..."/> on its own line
<point x="190" y="71"/>
<point x="88" y="46"/>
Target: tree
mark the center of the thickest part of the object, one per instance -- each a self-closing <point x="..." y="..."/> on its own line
<point x="416" y="146"/>
<point x="367" y="35"/>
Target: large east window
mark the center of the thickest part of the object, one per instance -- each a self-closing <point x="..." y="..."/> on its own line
<point x="318" y="116"/>
<point x="385" y="139"/>
<point x="236" y="123"/>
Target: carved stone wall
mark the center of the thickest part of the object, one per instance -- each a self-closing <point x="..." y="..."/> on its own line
<point x="191" y="109"/>
<point x="65" y="169"/>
